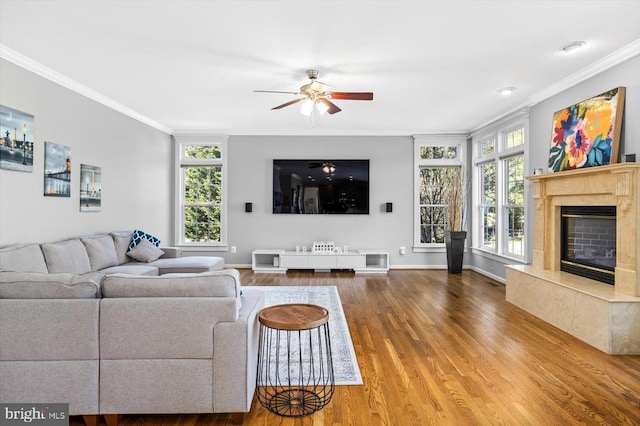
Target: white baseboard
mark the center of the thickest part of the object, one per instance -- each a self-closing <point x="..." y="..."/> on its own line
<point x="417" y="266"/>
<point x="401" y="267"/>
<point x="489" y="275"/>
<point x="238" y="265"/>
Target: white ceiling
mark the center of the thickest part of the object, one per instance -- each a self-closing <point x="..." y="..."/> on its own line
<point x="434" y="66"/>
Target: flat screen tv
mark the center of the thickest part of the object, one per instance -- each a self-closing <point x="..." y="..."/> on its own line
<point x="321" y="186"/>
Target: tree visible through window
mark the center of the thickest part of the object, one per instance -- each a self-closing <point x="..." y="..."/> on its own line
<point x="488" y="204"/>
<point x="514" y="205"/>
<point x="433" y="204"/>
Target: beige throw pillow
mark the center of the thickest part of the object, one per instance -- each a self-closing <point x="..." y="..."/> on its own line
<point x="145" y="252"/>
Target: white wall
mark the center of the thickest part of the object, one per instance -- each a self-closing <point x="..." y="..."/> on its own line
<point x="391" y="180"/>
<point x="136" y="163"/>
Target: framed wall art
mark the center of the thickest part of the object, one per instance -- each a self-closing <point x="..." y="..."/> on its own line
<point x="16" y="139"/>
<point x="587" y="134"/>
<point x="90" y="188"/>
<point x="57" y="170"/>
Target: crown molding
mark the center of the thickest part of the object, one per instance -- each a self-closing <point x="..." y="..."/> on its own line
<point x="54" y="76"/>
<point x="619" y="56"/>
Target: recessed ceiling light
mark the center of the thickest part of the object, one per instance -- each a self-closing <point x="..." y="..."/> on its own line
<point x="573" y="46"/>
<point x="506" y="91"/>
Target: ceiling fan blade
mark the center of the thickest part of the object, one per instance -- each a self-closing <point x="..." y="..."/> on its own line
<point x="333" y="108"/>
<point x="275" y="91"/>
<point x="353" y="96"/>
<point x="288" y="103"/>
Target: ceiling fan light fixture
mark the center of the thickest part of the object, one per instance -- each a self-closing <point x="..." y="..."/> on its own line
<point x="328" y="167"/>
<point x="307" y="107"/>
<point x="322" y="107"/>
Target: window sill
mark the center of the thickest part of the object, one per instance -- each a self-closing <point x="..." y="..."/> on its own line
<point x="202" y="248"/>
<point x="434" y="249"/>
<point x="499" y="257"/>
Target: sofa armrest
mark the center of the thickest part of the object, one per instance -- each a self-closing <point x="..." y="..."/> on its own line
<point x="171" y="252"/>
<point x="235" y="357"/>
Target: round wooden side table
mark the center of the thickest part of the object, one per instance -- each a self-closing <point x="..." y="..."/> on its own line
<point x="295" y="367"/>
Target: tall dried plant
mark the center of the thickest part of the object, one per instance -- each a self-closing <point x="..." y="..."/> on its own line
<point x="456" y="201"/>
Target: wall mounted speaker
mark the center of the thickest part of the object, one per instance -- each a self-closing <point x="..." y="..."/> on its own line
<point x="248" y="207"/>
<point x="389" y="207"/>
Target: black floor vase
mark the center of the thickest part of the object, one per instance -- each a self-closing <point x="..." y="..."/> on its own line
<point x="454" y="241"/>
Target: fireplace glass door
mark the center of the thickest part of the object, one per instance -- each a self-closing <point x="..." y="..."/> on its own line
<point x="588" y="245"/>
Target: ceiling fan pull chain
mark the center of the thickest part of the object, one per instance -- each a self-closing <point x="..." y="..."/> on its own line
<point x="311" y="123"/>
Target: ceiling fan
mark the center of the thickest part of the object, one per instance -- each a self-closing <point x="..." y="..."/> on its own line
<point x="318" y="94"/>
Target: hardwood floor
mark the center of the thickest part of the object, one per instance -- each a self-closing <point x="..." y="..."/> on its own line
<point x="436" y="348"/>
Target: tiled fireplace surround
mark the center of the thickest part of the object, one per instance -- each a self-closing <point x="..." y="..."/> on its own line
<point x="602" y="315"/>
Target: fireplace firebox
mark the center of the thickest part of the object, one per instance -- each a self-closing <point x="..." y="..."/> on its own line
<point x="588" y="242"/>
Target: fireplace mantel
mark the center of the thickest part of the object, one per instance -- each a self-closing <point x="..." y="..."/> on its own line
<point x="614" y="185"/>
<point x="604" y="316"/>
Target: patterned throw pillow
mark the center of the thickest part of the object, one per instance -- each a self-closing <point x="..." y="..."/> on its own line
<point x="138" y="236"/>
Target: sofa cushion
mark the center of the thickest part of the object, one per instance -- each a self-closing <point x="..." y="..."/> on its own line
<point x="121" y="240"/>
<point x="144" y="251"/>
<point x="23" y="258"/>
<point x="36" y="285"/>
<point x="188" y="264"/>
<point x="66" y="256"/>
<point x="139" y="235"/>
<point x="132" y="268"/>
<point x="101" y="251"/>
<point x="224" y="283"/>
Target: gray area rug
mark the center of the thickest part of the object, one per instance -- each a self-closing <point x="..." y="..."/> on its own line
<point x="345" y="364"/>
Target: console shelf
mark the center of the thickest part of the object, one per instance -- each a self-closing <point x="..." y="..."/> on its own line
<point x="267" y="262"/>
<point x="276" y="261"/>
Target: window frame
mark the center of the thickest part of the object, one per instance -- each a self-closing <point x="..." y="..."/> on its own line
<point x="498" y="132"/>
<point x="440" y="140"/>
<point x="181" y="142"/>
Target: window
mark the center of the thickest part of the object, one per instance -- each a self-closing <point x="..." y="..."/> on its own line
<point x="437" y="158"/>
<point x="201" y="191"/>
<point x="514" y="205"/>
<point x="499" y="193"/>
<point x="488" y="204"/>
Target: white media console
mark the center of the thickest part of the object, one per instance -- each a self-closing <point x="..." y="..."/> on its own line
<point x="279" y="261"/>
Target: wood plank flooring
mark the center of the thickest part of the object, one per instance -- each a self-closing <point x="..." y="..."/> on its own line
<point x="441" y="349"/>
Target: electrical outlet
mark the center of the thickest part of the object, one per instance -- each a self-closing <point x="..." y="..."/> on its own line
<point x="403" y="250"/>
<point x="233" y="249"/>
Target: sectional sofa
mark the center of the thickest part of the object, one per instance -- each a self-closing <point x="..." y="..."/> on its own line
<point x="83" y="323"/>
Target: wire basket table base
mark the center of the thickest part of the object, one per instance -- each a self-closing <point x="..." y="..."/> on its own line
<point x="295" y="368"/>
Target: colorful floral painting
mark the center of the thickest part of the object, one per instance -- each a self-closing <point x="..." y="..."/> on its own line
<point x="587" y="134"/>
